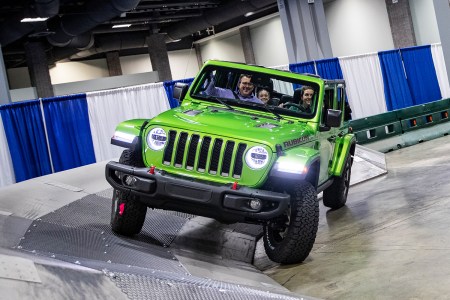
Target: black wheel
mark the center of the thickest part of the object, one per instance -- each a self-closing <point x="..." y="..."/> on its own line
<point x="127" y="212"/>
<point x="288" y="239"/>
<point x="335" y="196"/>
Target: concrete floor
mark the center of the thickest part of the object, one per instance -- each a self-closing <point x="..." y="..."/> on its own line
<point x="391" y="240"/>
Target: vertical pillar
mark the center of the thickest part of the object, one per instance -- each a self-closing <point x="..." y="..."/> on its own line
<point x="305" y="30"/>
<point x="247" y="46"/>
<point x="5" y="96"/>
<point x="113" y="61"/>
<point x="198" y="53"/>
<point x="400" y="19"/>
<point x="442" y="11"/>
<point x="158" y="56"/>
<point x="38" y="69"/>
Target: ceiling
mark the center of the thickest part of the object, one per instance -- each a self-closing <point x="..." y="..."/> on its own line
<point x="81" y="30"/>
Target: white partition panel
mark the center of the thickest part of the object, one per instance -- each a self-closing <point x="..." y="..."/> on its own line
<point x="108" y="108"/>
<point x="364" y="81"/>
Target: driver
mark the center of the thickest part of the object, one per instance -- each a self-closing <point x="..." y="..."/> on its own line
<point x="245" y="91"/>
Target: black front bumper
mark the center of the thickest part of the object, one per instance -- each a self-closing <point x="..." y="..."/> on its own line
<point x="208" y="199"/>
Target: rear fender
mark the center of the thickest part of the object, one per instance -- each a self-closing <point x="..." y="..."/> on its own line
<point x="345" y="145"/>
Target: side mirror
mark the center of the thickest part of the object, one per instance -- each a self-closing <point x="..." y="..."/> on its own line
<point x="333" y="118"/>
<point x="179" y="91"/>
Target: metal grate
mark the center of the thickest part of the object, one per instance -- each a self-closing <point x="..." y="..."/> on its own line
<point x="208" y="154"/>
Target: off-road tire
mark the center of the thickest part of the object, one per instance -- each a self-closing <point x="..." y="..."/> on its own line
<point x="335" y="196"/>
<point x="294" y="243"/>
<point x="132" y="219"/>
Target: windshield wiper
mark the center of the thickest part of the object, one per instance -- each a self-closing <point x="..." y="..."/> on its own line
<point x="220" y="101"/>
<point x="278" y="116"/>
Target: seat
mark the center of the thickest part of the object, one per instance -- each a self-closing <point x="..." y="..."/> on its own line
<point x="286" y="98"/>
<point x="297" y="96"/>
<point x="274" y="101"/>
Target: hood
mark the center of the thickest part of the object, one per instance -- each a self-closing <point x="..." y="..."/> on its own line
<point x="253" y="126"/>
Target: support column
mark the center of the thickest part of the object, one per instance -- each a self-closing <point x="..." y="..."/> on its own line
<point x="158" y="56"/>
<point x="198" y="54"/>
<point x="38" y="69"/>
<point x="247" y="46"/>
<point x="5" y="96"/>
<point x="113" y="61"/>
<point x="305" y="30"/>
<point x="442" y="11"/>
<point x="400" y="19"/>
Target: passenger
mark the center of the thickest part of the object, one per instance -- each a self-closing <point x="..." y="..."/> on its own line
<point x="264" y="95"/>
<point x="305" y="101"/>
<point x="245" y="90"/>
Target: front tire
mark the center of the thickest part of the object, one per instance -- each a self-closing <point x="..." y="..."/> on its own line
<point x="335" y="196"/>
<point x="288" y="239"/>
<point x="127" y="212"/>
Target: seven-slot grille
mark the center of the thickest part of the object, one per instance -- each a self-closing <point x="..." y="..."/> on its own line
<point x="204" y="154"/>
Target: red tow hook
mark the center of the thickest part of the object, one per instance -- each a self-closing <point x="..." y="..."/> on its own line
<point x="234" y="186"/>
<point x="121" y="208"/>
<point x="152" y="170"/>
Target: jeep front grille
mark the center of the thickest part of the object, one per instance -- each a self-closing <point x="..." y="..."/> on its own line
<point x="216" y="156"/>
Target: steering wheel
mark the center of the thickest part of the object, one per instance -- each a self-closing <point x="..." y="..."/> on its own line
<point x="288" y="105"/>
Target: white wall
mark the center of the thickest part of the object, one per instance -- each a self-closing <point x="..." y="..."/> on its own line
<point x="223" y="48"/>
<point x="424" y="22"/>
<point x="183" y="64"/>
<point x="268" y="43"/>
<point x="78" y="71"/>
<point x="358" y="26"/>
<point x="135" y="64"/>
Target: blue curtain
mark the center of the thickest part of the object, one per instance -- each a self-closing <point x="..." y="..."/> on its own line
<point x="329" y="68"/>
<point x="168" y="86"/>
<point x="25" y="133"/>
<point x="68" y="131"/>
<point x="304" y="67"/>
<point x="421" y="74"/>
<point x="396" y="88"/>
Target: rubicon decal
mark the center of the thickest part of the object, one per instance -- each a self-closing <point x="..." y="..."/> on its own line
<point x="294" y="142"/>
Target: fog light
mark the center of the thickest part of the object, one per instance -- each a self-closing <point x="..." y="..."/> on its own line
<point x="129" y="180"/>
<point x="255" y="204"/>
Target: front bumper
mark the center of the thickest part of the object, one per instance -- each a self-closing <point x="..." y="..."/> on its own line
<point x="208" y="199"/>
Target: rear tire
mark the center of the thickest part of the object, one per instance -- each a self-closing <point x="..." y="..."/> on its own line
<point x="335" y="196"/>
<point x="289" y="238"/>
<point x="127" y="212"/>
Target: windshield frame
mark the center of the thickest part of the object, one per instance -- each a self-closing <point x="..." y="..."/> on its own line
<point x="291" y="78"/>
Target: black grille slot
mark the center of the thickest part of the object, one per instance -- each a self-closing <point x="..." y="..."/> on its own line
<point x="239" y="161"/>
<point x="203" y="154"/>
<point x="169" y="149"/>
<point x="180" y="150"/>
<point x="215" y="156"/>
<point x="192" y="151"/>
<point x="227" y="157"/>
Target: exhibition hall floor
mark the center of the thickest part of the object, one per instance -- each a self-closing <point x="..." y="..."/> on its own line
<point x="390" y="241"/>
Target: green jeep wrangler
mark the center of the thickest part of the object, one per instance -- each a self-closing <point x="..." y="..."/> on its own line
<point x="224" y="154"/>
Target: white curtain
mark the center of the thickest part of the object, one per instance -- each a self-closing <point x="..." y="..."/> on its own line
<point x="282" y="86"/>
<point x="441" y="72"/>
<point x="7" y="172"/>
<point x="110" y="107"/>
<point x="364" y="81"/>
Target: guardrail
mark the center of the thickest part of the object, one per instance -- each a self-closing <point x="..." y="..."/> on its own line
<point x="404" y="127"/>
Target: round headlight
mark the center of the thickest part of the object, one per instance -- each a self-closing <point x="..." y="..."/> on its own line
<point x="157" y="138"/>
<point x="257" y="157"/>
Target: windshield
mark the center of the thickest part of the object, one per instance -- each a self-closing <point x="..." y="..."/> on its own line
<point x="260" y="91"/>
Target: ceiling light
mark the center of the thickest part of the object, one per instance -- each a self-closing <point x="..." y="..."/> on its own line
<point x="249" y="14"/>
<point x="27" y="20"/>
<point x="121" y="25"/>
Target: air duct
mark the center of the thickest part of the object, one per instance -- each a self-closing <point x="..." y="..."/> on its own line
<point x="68" y="27"/>
<point x="214" y="17"/>
<point x="12" y="29"/>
